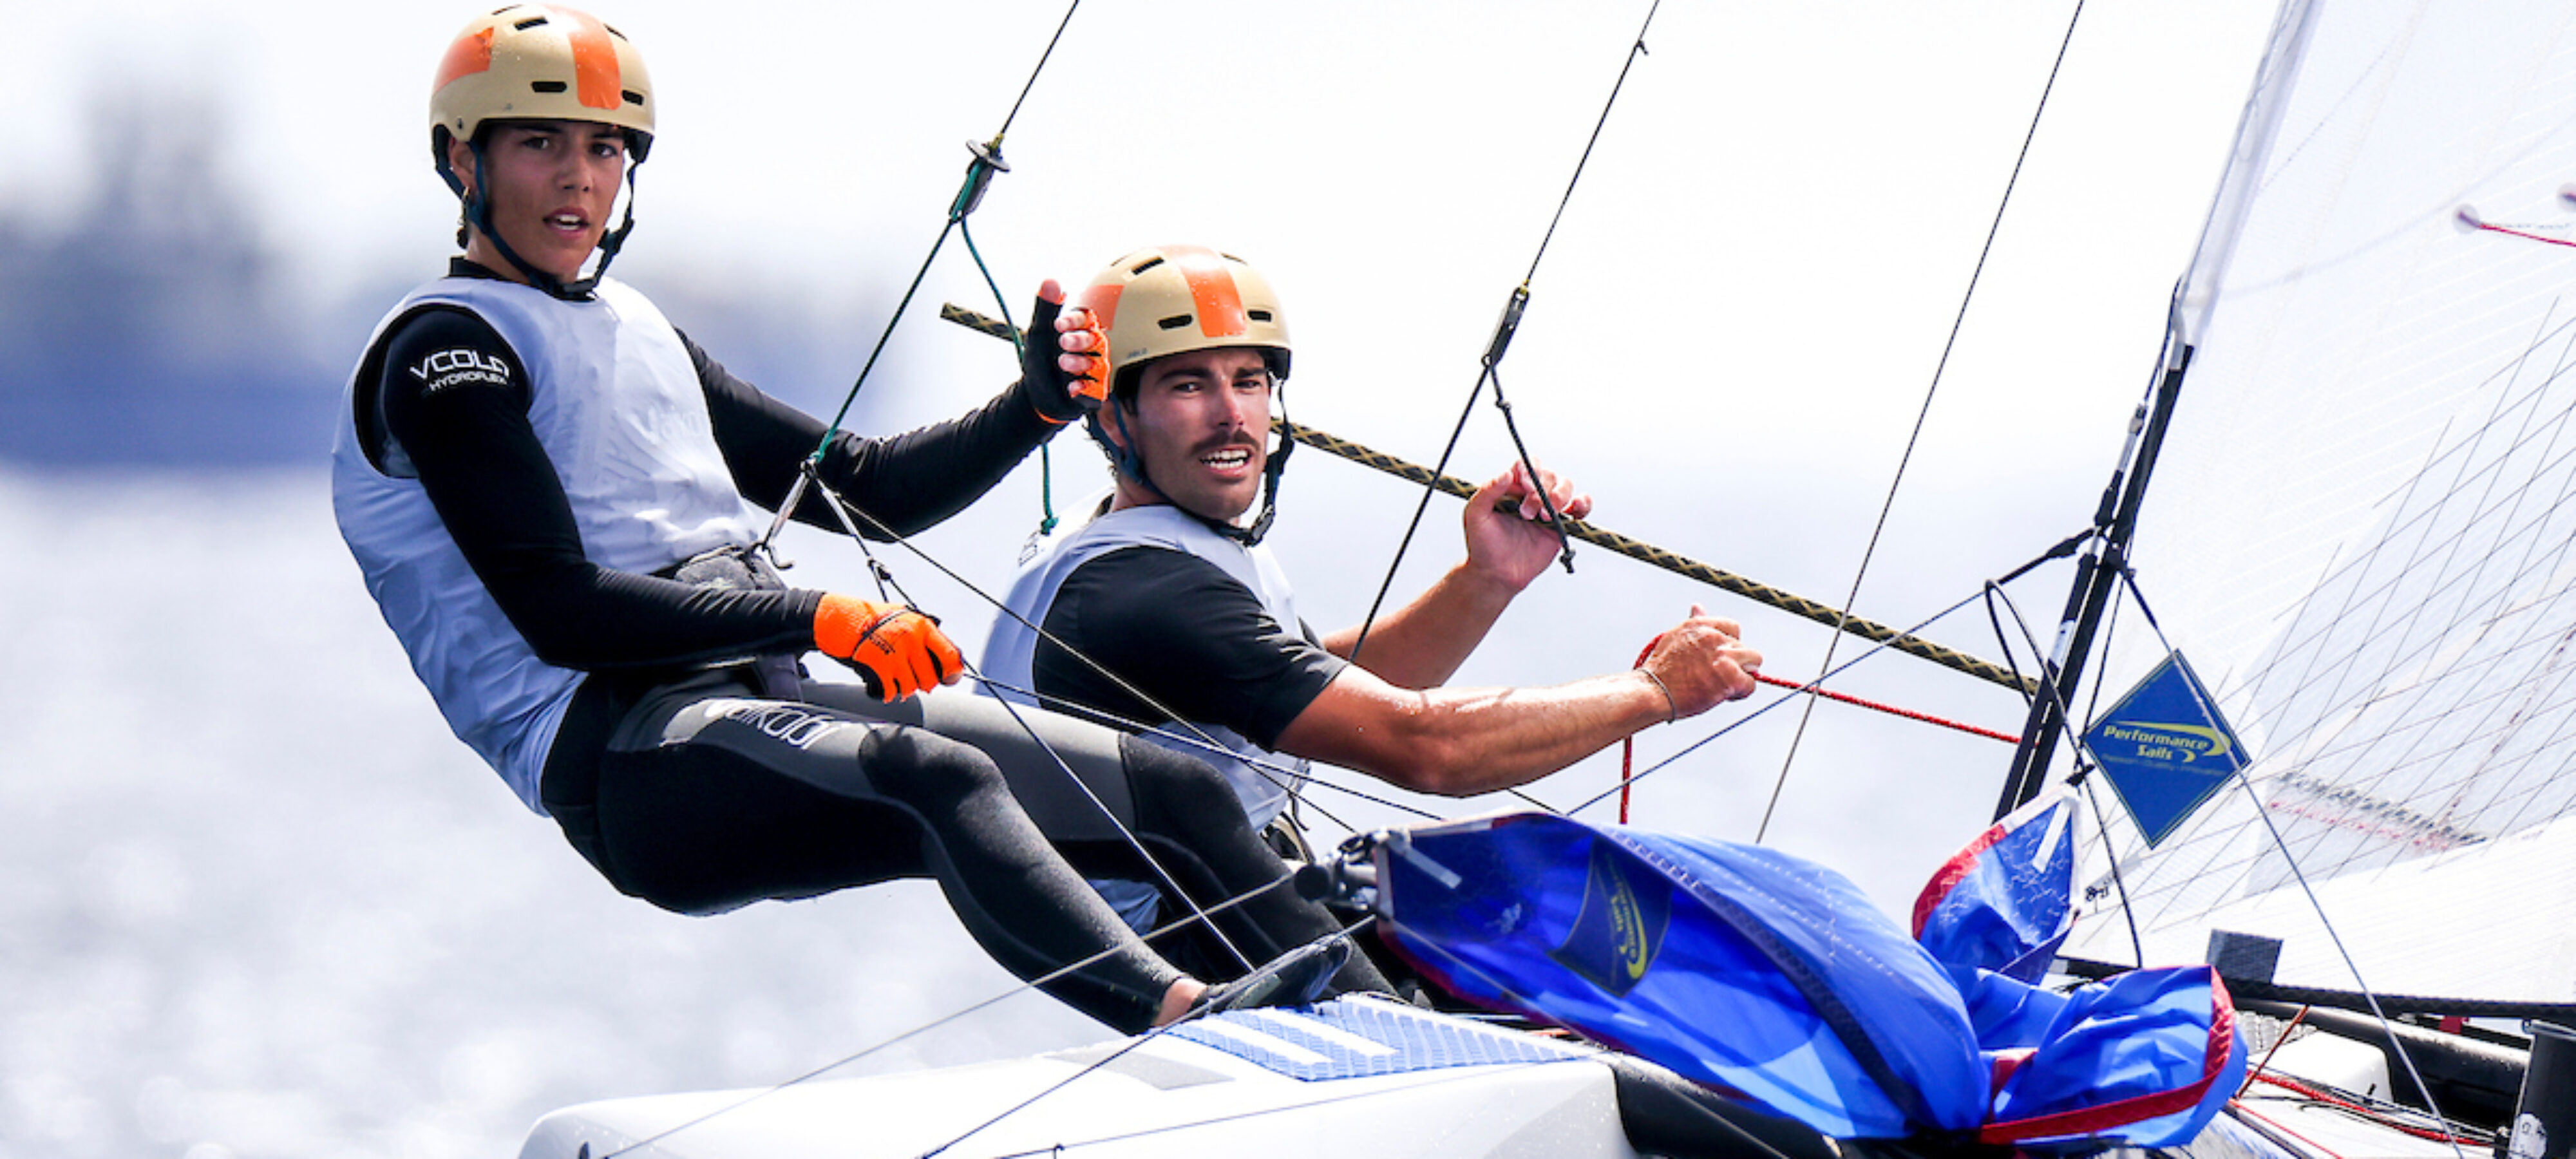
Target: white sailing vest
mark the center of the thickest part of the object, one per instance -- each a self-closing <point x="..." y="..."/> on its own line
<point x="617" y="405"/>
<point x="1010" y="652"/>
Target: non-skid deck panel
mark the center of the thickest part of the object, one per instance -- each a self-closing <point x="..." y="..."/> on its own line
<point x="1358" y="1038"/>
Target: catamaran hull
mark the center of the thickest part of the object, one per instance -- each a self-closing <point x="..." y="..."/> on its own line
<point x="1376" y="1078"/>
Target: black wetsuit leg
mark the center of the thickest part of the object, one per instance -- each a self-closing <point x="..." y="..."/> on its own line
<point x="1176" y="807"/>
<point x="1187" y="816"/>
<point x="710" y="797"/>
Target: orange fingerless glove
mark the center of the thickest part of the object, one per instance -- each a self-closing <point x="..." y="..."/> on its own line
<point x="897" y="650"/>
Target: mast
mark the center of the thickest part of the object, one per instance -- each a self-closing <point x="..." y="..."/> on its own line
<point x="2106" y="557"/>
<point x="2097" y="577"/>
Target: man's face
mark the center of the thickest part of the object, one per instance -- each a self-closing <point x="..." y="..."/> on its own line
<point x="553" y="184"/>
<point x="1202" y="426"/>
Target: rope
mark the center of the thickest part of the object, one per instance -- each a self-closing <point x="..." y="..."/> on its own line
<point x="980" y="171"/>
<point x="844" y="509"/>
<point x="2509" y="231"/>
<point x="2321" y="1095"/>
<point x="1142" y="697"/>
<point x="1043" y="57"/>
<point x="1613" y="541"/>
<point x="1628" y="744"/>
<point x="1635" y="50"/>
<point x="1687" y="567"/>
<point x="1500" y="344"/>
<point x="1890" y="709"/>
<point x="1195" y="1011"/>
<point x="2298" y="873"/>
<point x="1956" y="322"/>
<point x="916" y="1032"/>
<point x="1757" y="713"/>
<point x="2279" y="1041"/>
<point x="1278" y="774"/>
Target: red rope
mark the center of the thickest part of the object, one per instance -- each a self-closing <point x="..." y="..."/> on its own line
<point x="1889" y="709"/>
<point x="2305" y="1091"/>
<point x="2277" y="1044"/>
<point x="1628" y="746"/>
<point x="2508" y="232"/>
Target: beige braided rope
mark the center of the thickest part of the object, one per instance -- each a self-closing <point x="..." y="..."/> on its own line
<point x="1647" y="553"/>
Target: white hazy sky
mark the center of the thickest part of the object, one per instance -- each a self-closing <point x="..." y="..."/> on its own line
<point x="1776" y="227"/>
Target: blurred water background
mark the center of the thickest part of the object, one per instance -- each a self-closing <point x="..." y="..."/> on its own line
<point x="258" y="902"/>
<point x="254" y="900"/>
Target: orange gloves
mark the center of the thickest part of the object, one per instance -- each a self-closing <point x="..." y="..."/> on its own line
<point x="897" y="650"/>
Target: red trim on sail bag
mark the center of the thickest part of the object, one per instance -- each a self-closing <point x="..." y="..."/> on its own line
<point x="1951" y="873"/>
<point x="2093" y="1120"/>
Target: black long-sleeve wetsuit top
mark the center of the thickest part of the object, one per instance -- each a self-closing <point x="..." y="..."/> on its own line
<point x="471" y="445"/>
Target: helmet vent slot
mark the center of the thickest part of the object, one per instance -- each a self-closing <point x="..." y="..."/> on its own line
<point x="1258" y="315"/>
<point x="1156" y="261"/>
<point x="531" y="22"/>
<point x="1175" y="322"/>
<point x="632" y="97"/>
<point x="548" y="86"/>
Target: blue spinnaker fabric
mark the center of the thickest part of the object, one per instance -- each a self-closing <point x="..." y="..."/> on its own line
<point x="2146" y="1058"/>
<point x="1739" y="967"/>
<point x="2006" y="902"/>
<point x="1773" y="978"/>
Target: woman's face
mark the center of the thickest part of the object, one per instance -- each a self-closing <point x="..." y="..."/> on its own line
<point x="553" y="184"/>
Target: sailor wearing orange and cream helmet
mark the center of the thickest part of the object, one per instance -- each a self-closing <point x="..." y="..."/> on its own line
<point x="551" y="493"/>
<point x="1167" y="610"/>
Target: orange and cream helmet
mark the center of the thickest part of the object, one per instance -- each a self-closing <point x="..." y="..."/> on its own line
<point x="540" y="62"/>
<point x="1173" y="299"/>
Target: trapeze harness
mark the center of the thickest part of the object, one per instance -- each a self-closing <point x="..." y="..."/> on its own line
<point x="613" y="396"/>
<point x="1010" y="657"/>
<point x="1010" y="654"/>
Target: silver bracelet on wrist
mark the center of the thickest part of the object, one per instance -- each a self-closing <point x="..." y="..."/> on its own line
<point x="1674" y="706"/>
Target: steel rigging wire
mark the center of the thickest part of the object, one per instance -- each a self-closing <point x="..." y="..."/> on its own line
<point x="980" y="171"/>
<point x="987" y="163"/>
<point x="1929" y="393"/>
<point x="2298" y="872"/>
<point x="1495" y="349"/>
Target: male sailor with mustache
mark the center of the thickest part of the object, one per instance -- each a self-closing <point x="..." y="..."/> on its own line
<point x="1169" y="593"/>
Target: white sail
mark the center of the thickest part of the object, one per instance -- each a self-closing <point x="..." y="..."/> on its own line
<point x="2362" y="530"/>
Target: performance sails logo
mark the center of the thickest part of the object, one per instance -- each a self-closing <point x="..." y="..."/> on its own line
<point x="1620" y="928"/>
<point x="2165" y="748"/>
<point x="2158" y="741"/>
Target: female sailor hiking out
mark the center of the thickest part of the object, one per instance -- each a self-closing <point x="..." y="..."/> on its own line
<point x="548" y="488"/>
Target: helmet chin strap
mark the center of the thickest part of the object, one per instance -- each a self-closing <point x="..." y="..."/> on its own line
<point x="1270" y="473"/>
<point x="1132" y="465"/>
<point x="478" y="213"/>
